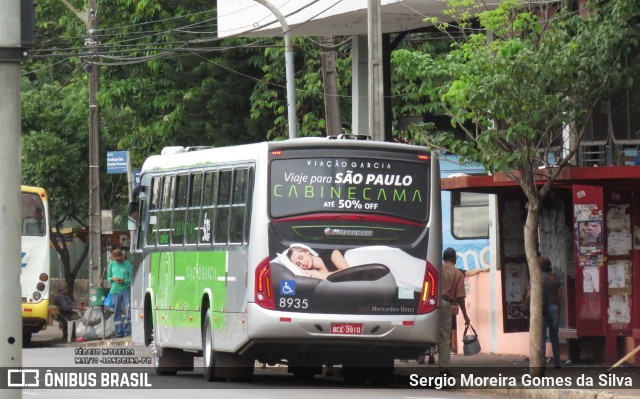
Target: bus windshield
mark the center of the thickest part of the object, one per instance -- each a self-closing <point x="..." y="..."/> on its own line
<point x="370" y="185"/>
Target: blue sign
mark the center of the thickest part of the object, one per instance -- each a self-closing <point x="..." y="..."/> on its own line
<point x="117" y="161"/>
<point x="136" y="177"/>
<point x="288" y="287"/>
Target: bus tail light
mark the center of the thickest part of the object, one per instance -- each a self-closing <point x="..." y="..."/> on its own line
<point x="428" y="297"/>
<point x="263" y="291"/>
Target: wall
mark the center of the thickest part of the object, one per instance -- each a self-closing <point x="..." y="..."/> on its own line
<point x="480" y="312"/>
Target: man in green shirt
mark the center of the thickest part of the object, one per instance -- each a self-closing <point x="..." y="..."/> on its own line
<point x="119" y="274"/>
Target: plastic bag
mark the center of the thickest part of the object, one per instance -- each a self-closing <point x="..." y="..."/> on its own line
<point x="107" y="301"/>
<point x="471" y="345"/>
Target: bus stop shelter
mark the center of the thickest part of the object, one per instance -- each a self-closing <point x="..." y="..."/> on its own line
<point x="590" y="228"/>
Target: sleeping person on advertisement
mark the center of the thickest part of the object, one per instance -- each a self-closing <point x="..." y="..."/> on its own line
<point x="302" y="260"/>
<point x="317" y="264"/>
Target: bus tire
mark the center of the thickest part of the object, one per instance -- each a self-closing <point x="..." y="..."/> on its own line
<point x="168" y="361"/>
<point x="304" y="374"/>
<point x="26" y="338"/>
<point x="381" y="376"/>
<point x="354" y="375"/>
<point x="208" y="353"/>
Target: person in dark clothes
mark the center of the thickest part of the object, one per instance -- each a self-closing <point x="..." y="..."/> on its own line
<point x="66" y="307"/>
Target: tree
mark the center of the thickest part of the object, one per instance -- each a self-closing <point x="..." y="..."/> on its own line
<point x="538" y="74"/>
<point x="157" y="88"/>
<point x="54" y="156"/>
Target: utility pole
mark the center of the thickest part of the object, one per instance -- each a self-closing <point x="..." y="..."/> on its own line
<point x="330" y="79"/>
<point x="94" y="149"/>
<point x="90" y="20"/>
<point x="11" y="54"/>
<point x="376" y="88"/>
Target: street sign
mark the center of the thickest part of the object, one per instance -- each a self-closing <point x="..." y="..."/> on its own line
<point x="117" y="161"/>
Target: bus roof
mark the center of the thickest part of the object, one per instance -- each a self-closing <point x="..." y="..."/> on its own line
<point x="180" y="157"/>
<point x="36" y="190"/>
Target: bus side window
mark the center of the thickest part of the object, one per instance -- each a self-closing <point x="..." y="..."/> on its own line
<point x="152" y="231"/>
<point x="223" y="208"/>
<point x="239" y="206"/>
<point x="166" y="207"/>
<point x="208" y="212"/>
<point x="193" y="209"/>
<point x="180" y="209"/>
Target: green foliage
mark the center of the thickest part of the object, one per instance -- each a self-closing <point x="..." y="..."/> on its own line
<point x="527" y="83"/>
<point x="269" y="99"/>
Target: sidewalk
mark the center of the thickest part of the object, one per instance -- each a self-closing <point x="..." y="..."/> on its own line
<point x="503" y="368"/>
<point x="52" y="337"/>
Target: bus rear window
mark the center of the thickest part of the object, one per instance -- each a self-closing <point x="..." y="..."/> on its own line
<point x="33" y="221"/>
<point x="357" y="185"/>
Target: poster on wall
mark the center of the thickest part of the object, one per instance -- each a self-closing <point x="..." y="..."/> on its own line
<point x="619" y="239"/>
<point x="516" y="284"/>
<point x="590" y="280"/>
<point x="619" y="277"/>
<point x="590" y="237"/>
<point x="583" y="212"/>
<point x="619" y="311"/>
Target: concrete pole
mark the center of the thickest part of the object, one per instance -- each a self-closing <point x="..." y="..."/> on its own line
<point x="359" y="83"/>
<point x="95" y="263"/>
<point x="10" y="151"/>
<point x="330" y="79"/>
<point x="288" y="61"/>
<point x="376" y="86"/>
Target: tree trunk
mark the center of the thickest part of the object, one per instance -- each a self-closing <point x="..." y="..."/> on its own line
<point x="536" y="356"/>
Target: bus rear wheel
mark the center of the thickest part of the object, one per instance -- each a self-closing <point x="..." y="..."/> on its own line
<point x="168" y="361"/>
<point x="26" y="337"/>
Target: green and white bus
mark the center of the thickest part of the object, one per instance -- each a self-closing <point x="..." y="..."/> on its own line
<point x="307" y="252"/>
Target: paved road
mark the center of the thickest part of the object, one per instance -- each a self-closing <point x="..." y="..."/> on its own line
<point x="49" y="351"/>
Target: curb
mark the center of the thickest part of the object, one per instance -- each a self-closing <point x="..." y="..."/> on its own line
<point x="548" y="393"/>
<point x="106" y="343"/>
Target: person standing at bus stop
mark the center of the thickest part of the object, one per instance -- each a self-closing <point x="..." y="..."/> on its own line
<point x="119" y="274"/>
<point x="453" y="294"/>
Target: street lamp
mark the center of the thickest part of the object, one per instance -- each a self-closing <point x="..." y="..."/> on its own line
<point x="288" y="60"/>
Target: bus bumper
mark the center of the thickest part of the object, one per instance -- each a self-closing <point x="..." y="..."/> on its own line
<point x="35" y="315"/>
<point x="290" y="334"/>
